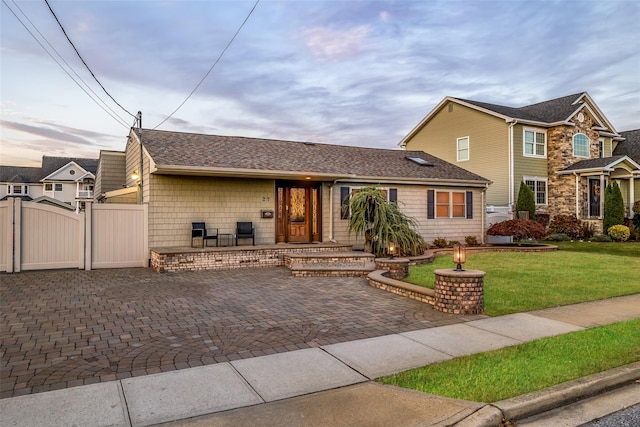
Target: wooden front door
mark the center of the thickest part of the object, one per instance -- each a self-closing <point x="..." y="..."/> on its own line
<point x="298" y="213"/>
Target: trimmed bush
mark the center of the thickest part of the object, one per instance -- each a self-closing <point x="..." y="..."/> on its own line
<point x="588" y="230"/>
<point x="439" y="242"/>
<point x="566" y="224"/>
<point x="613" y="207"/>
<point x="559" y="237"/>
<point x="636" y="214"/>
<point x="471" y="240"/>
<point x="526" y="201"/>
<point x="619" y="233"/>
<point x="601" y="238"/>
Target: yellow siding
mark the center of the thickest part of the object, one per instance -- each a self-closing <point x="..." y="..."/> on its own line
<point x="488" y="145"/>
<point x="525" y="166"/>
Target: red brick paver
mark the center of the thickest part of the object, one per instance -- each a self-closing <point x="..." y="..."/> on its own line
<point x="62" y="329"/>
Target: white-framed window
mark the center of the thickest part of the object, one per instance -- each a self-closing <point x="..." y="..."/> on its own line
<point x="451" y="204"/>
<point x="539" y="187"/>
<point x="580" y="145"/>
<point x="17" y="189"/>
<point x="58" y="187"/>
<point x="391" y="194"/>
<point x="534" y="143"/>
<point x="48" y="186"/>
<point x="462" y="146"/>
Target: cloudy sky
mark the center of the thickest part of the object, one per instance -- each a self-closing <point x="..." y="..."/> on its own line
<point x="344" y="72"/>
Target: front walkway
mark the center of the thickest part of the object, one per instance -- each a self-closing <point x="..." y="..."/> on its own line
<point x="60" y="329"/>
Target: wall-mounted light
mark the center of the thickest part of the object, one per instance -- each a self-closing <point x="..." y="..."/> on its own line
<point x="135" y="175"/>
<point x="459" y="256"/>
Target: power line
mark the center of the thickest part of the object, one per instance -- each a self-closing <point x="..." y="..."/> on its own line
<point x="65" y="62"/>
<point x="214" y="64"/>
<point x="60" y="65"/>
<point x="83" y="61"/>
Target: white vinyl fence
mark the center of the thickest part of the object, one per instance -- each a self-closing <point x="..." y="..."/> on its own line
<point x="35" y="236"/>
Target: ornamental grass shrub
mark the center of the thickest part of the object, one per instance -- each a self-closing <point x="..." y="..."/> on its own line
<point x="619" y="233"/>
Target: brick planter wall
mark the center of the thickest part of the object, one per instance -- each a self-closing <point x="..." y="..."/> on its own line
<point x="398" y="267"/>
<point x="459" y="292"/>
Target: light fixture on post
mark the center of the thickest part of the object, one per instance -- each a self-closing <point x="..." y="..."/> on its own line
<point x="391" y="249"/>
<point x="459" y="256"/>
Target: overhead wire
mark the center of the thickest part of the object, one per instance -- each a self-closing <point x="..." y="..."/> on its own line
<point x="66" y="63"/>
<point x="83" y="61"/>
<point x="117" y="119"/>
<point x="212" y="67"/>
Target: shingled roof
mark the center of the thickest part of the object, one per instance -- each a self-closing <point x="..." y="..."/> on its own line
<point x="179" y="152"/>
<point x="552" y="111"/>
<point x="20" y="174"/>
<point x="52" y="164"/>
<point x="630" y="146"/>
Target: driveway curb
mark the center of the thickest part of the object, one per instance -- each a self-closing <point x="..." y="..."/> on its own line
<point x="541" y="401"/>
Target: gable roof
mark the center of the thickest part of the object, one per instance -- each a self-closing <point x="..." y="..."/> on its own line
<point x="198" y="154"/>
<point x="52" y="164"/>
<point x="599" y="164"/>
<point x="630" y="146"/>
<point x="545" y="114"/>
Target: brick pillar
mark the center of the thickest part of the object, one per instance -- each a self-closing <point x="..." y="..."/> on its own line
<point x="398" y="267"/>
<point x="459" y="292"/>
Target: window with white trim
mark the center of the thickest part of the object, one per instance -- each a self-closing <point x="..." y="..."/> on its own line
<point x="535" y="143"/>
<point x="539" y="188"/>
<point x="580" y="145"/>
<point x="58" y="187"/>
<point x="48" y="186"/>
<point x="17" y="189"/>
<point x="462" y="146"/>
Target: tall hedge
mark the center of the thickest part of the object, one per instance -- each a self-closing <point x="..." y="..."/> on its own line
<point x="613" y="206"/>
<point x="526" y="201"/>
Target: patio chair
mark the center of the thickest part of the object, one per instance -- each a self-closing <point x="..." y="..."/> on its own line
<point x="199" y="231"/>
<point x="245" y="230"/>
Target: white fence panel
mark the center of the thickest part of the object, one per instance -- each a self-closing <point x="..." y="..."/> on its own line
<point x="50" y="238"/>
<point x="6" y="235"/>
<point x="119" y="236"/>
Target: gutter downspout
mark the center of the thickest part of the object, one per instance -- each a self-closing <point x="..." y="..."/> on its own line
<point x="511" y="171"/>
<point x="484" y="213"/>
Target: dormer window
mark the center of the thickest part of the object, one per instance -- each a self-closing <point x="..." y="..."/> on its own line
<point x="580" y="145"/>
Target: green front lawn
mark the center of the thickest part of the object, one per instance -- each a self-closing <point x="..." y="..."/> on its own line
<point x="513" y="371"/>
<point x="519" y="281"/>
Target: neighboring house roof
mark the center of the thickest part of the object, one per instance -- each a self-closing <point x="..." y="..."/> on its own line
<point x="23" y="197"/>
<point x="198" y="154"/>
<point x="52" y="164"/>
<point x="602" y="163"/>
<point x="547" y="113"/>
<point x="19" y="174"/>
<point x="46" y="200"/>
<point x="630" y="146"/>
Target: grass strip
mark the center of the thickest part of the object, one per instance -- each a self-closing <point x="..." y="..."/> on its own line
<point x="513" y="371"/>
<point x="517" y="282"/>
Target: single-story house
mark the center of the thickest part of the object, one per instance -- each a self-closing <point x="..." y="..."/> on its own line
<point x="292" y="192"/>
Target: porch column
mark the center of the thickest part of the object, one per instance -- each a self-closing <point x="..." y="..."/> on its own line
<point x="577" y="195"/>
<point x="631" y="196"/>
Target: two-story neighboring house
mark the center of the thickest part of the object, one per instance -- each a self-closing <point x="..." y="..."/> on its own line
<point x="562" y="148"/>
<point x="63" y="181"/>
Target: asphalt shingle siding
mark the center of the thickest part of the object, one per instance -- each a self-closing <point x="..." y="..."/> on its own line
<point x="180" y="149"/>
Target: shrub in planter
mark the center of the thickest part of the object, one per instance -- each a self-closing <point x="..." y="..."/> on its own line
<point x="471" y="240"/>
<point x="619" y="233"/>
<point x="519" y="229"/>
<point x="439" y="242"/>
<point x="566" y="224"/>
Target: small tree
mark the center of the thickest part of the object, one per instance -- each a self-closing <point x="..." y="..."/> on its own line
<point x="613" y="207"/>
<point x="526" y="201"/>
<point x="519" y="229"/>
<point x="381" y="222"/>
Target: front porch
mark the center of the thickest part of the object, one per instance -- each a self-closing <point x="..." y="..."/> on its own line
<point x="185" y="258"/>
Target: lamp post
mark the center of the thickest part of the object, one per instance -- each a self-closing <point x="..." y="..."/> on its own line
<point x="391" y="249"/>
<point x="459" y="256"/>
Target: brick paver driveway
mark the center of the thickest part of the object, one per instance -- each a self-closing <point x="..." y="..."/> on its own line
<point x="67" y="328"/>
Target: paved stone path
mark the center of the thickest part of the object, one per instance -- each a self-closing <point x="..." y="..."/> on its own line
<point x="61" y="329"/>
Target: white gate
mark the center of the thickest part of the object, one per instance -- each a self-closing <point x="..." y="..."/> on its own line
<point x="34" y="236"/>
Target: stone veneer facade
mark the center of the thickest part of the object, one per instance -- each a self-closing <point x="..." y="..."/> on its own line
<point x="561" y="192"/>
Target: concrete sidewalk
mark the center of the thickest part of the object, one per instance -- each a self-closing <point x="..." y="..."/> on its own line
<point x="329" y="385"/>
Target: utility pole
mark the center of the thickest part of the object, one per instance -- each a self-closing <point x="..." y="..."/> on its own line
<point x="141" y="189"/>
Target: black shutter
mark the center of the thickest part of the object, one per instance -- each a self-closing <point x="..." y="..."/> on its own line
<point x="344" y="202"/>
<point x="393" y="195"/>
<point x="469" y="204"/>
<point x="431" y="211"/>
